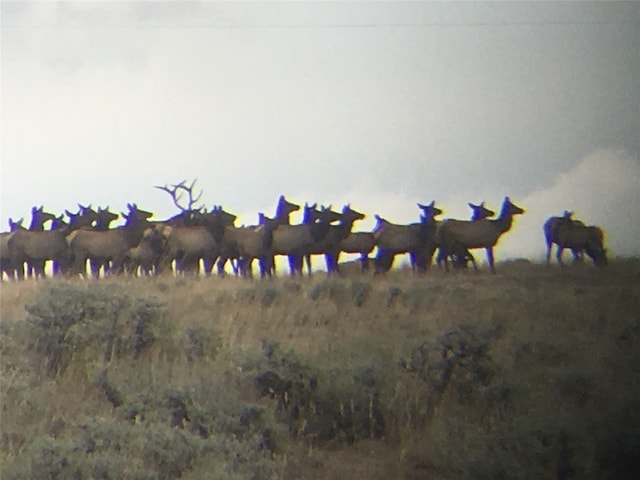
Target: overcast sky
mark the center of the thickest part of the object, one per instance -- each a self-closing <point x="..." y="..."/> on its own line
<point x="378" y="104"/>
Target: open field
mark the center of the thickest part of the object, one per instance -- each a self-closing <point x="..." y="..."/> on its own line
<point x="530" y="373"/>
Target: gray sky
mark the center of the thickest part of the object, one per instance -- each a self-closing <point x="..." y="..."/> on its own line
<point x="379" y="104"/>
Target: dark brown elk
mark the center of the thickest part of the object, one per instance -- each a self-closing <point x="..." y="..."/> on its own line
<point x="245" y="244"/>
<point x="361" y="243"/>
<point x="457" y="236"/>
<point x="6" y="265"/>
<point x="187" y="245"/>
<point x="183" y="248"/>
<point x="38" y="218"/>
<point x="550" y="235"/>
<point x="36" y="247"/>
<point x="570" y="234"/>
<point x="108" y="245"/>
<point x="295" y="241"/>
<point x="103" y="220"/>
<point x="329" y="246"/>
<point x="84" y="218"/>
<point x="145" y="256"/>
<point x="417" y="239"/>
<point x="480" y="212"/>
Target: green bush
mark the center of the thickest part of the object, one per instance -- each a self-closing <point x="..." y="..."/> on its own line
<point x="93" y="322"/>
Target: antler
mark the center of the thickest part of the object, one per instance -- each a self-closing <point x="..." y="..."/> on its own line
<point x="176" y="192"/>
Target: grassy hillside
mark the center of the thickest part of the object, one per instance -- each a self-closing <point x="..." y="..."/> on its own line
<point x="531" y="373"/>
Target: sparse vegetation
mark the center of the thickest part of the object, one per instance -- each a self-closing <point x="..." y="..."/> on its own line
<point x="531" y="373"/>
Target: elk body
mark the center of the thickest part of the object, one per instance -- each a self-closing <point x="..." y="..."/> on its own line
<point x="36" y="247"/>
<point x="6" y="263"/>
<point x="457" y="236"/>
<point x="109" y="245"/>
<point x="417" y="239"/>
<point x="38" y="218"/>
<point x="578" y="237"/>
<point x="329" y="246"/>
<point x="103" y="220"/>
<point x="479" y="212"/>
<point x="295" y="241"/>
<point x="187" y="245"/>
<point x="550" y="235"/>
<point x="146" y="255"/>
<point x="361" y="243"/>
<point x="245" y="244"/>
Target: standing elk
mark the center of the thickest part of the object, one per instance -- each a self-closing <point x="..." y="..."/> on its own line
<point x="245" y="244"/>
<point x="85" y="218"/>
<point x="38" y="218"/>
<point x="569" y="233"/>
<point x="361" y="243"/>
<point x="550" y="235"/>
<point x="329" y="246"/>
<point x="146" y="255"/>
<point x="187" y="245"/>
<point x="192" y="235"/>
<point x="108" y="245"/>
<point x="295" y="241"/>
<point x="416" y="239"/>
<point x="103" y="220"/>
<point x="6" y="264"/>
<point x="480" y="212"/>
<point x="36" y="247"/>
<point x="455" y="237"/>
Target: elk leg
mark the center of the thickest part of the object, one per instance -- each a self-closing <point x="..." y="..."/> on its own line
<point x="559" y="255"/>
<point x="328" y="260"/>
<point x="307" y="259"/>
<point x="222" y="261"/>
<point x="473" y="260"/>
<point x="364" y="262"/>
<point x="578" y="255"/>
<point x="490" y="258"/>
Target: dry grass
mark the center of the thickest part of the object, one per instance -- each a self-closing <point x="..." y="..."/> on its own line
<point x="464" y="375"/>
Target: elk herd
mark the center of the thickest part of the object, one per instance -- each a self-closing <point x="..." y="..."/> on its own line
<point x="198" y="240"/>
